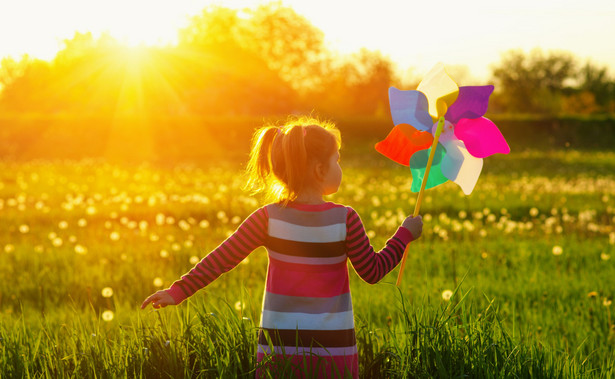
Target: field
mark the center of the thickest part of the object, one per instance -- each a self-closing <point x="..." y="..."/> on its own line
<point x="529" y="259"/>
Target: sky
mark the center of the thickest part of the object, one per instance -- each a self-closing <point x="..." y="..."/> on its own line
<point x="413" y="34"/>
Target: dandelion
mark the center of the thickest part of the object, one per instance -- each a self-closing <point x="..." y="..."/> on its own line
<point x="447" y="294"/>
<point x="463" y="214"/>
<point x="194" y="260"/>
<point x="143" y="225"/>
<point x="606" y="302"/>
<point x="154" y="237"/>
<point x="24" y="229"/>
<point x="592" y="294"/>
<point x="114" y="236"/>
<point x="158" y="282"/>
<point x="160" y="218"/>
<point x="240" y="305"/>
<point x="204" y="224"/>
<point x="605" y="256"/>
<point x="170" y="220"/>
<point x="9" y="248"/>
<point x="557" y="250"/>
<point x="80" y="249"/>
<point x="57" y="242"/>
<point x="183" y="225"/>
<point x="484" y="255"/>
<point x="82" y="223"/>
<point x="164" y="253"/>
<point x="107" y="315"/>
<point x="188" y="244"/>
<point x="534" y="212"/>
<point x="176" y="247"/>
<point x="107" y="292"/>
<point x="91" y="210"/>
<point x="39" y="249"/>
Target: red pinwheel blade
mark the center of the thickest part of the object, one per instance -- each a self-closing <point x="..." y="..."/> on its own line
<point x="403" y="141"/>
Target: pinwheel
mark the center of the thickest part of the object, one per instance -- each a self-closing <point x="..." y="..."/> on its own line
<point x="454" y="146"/>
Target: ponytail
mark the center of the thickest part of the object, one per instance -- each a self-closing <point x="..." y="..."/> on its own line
<point x="280" y="157"/>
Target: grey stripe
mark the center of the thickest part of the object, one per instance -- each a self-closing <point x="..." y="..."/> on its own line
<point x="307" y="260"/>
<point x="281" y="303"/>
<point x="309" y="351"/>
<point x="306" y="218"/>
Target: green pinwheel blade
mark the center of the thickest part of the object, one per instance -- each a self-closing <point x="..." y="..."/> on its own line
<point x="418" y="164"/>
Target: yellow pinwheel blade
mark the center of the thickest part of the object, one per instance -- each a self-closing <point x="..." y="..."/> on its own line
<point x="440" y="89"/>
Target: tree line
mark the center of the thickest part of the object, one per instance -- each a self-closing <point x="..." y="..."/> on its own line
<point x="268" y="60"/>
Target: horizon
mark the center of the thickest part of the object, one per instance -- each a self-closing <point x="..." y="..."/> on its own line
<point x="471" y="49"/>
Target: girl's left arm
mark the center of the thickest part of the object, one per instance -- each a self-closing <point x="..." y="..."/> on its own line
<point x="248" y="236"/>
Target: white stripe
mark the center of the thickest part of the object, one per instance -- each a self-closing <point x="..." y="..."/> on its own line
<point x="307" y="321"/>
<point x="300" y="350"/>
<point x="307" y="260"/>
<point x="288" y="231"/>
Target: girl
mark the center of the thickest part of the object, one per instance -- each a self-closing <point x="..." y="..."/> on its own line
<point x="307" y="319"/>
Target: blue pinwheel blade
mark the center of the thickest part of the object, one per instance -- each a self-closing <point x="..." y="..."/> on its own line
<point x="410" y="107"/>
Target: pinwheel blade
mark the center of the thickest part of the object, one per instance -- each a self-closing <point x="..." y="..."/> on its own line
<point x="418" y="164"/>
<point x="402" y="142"/>
<point x="409" y="107"/>
<point x="460" y="166"/>
<point x="481" y="137"/>
<point x="440" y="89"/>
<point x="472" y="102"/>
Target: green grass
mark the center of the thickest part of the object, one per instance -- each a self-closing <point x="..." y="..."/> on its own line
<point x="71" y="229"/>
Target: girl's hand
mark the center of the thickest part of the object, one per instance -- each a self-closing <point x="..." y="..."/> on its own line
<point x="159" y="300"/>
<point x="414" y="225"/>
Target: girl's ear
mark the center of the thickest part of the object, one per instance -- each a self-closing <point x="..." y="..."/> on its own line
<point x="319" y="171"/>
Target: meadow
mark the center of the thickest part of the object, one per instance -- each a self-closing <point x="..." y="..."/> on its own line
<point x="515" y="280"/>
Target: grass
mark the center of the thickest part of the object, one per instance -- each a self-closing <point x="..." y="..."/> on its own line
<point x="529" y="256"/>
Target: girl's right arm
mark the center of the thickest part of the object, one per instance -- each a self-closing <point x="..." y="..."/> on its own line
<point x="372" y="266"/>
<point x="248" y="236"/>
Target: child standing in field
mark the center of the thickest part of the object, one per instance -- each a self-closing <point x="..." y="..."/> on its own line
<point x="307" y="319"/>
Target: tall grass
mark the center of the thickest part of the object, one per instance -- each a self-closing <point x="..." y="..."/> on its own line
<point x="529" y="256"/>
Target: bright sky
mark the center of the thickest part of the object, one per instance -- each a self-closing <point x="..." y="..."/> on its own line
<point x="414" y="34"/>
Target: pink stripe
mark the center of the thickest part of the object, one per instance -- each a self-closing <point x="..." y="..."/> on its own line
<point x="317" y="367"/>
<point x="285" y="281"/>
<point x="320" y="267"/>
<point x="314" y="207"/>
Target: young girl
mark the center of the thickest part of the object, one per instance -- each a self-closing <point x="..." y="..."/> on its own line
<point x="307" y="317"/>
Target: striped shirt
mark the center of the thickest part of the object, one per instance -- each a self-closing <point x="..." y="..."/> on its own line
<point x="307" y="318"/>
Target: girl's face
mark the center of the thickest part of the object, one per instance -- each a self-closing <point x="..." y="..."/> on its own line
<point x="333" y="177"/>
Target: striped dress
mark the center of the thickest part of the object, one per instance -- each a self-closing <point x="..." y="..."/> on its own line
<point x="307" y="323"/>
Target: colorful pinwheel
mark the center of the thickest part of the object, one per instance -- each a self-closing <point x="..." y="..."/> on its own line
<point x="467" y="136"/>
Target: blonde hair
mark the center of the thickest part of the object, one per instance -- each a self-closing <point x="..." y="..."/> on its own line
<point x="280" y="156"/>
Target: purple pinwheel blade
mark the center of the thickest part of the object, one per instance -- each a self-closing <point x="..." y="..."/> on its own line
<point x="481" y="137"/>
<point x="410" y="107"/>
<point x="472" y="102"/>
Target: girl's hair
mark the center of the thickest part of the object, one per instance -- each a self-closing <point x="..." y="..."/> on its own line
<point x="280" y="156"/>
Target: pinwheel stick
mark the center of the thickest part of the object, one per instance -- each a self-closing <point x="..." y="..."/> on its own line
<point x="419" y="198"/>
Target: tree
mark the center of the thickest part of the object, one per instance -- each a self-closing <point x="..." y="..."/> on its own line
<point x="534" y="82"/>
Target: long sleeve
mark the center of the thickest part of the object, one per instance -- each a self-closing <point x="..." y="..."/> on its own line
<point x="372" y="266"/>
<point x="248" y="236"/>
